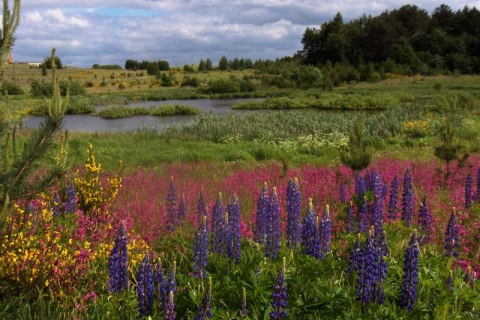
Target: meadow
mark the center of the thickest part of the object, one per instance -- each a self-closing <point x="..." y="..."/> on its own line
<point x="289" y="231"/>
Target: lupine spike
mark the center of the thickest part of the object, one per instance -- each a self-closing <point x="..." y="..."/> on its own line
<point x="204" y="309"/>
<point x="426" y="221"/>
<point x="71" y="198"/>
<point x="325" y="230"/>
<point x="161" y="285"/>
<point x="200" y="251"/>
<point x="343" y="195"/>
<point x="308" y="230"/>
<point x="279" y="295"/>
<point x="243" y="307"/>
<point x="117" y="263"/>
<point x="393" y="200"/>
<point x="452" y="237"/>
<point x="145" y="288"/>
<point x="407" y="199"/>
<point x="234" y="218"/>
<point x="410" y="274"/>
<point x="363" y="216"/>
<point x="170" y="307"/>
<point x="273" y="227"/>
<point x="355" y="256"/>
<point x="262" y="212"/>
<point x="293" y="213"/>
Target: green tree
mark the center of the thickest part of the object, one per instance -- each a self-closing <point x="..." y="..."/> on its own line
<point x="356" y="155"/>
<point x="202" y="66"/>
<point x="152" y="68"/>
<point x="223" y="64"/>
<point x="48" y="63"/>
<point x="208" y="65"/>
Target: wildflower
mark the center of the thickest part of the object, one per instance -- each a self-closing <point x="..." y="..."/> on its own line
<point x="407" y="200"/>
<point x="279" y="295"/>
<point x="243" y="307"/>
<point x="410" y="274"/>
<point x="355" y="256"/>
<point x="392" y="203"/>
<point x="218" y="225"/>
<point x="171" y="206"/>
<point x="56" y="205"/>
<point x="324" y="233"/>
<point x="360" y="187"/>
<point x="451" y="237"/>
<point x="234" y="222"/>
<point x="468" y="191"/>
<point x="363" y="216"/>
<point x="145" y="287"/>
<point x="293" y="213"/>
<point x="477" y="193"/>
<point x="309" y="230"/>
<point x="426" y="221"/>
<point x="200" y="250"/>
<point x="262" y="212"/>
<point x="273" y="227"/>
<point x="204" y="309"/>
<point x="117" y="263"/>
<point x="201" y="207"/>
<point x="343" y="196"/>
<point x="160" y="285"/>
<point x="182" y="211"/>
<point x="170" y="307"/>
<point x="71" y="198"/>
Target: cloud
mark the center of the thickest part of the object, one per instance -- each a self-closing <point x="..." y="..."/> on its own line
<point x="180" y="31"/>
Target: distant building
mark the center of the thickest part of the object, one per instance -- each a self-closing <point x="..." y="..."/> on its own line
<point x="35" y="64"/>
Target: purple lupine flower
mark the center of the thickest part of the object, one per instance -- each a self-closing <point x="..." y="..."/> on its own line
<point x="70" y="199"/>
<point x="273" y="227"/>
<point x="56" y="205"/>
<point x="279" y="295"/>
<point x="426" y="221"/>
<point x="452" y="237"/>
<point x="201" y="208"/>
<point x="262" y="212"/>
<point x="324" y="233"/>
<point x="343" y="195"/>
<point x="117" y="263"/>
<point x="172" y="285"/>
<point x="170" y="307"/>
<point x="407" y="199"/>
<point x="363" y="216"/>
<point x="234" y="217"/>
<point x="309" y="230"/>
<point x="477" y="193"/>
<point x="371" y="272"/>
<point x="217" y="227"/>
<point x="468" y="191"/>
<point x="378" y="204"/>
<point x="293" y="213"/>
<point x="243" y="306"/>
<point x="360" y="187"/>
<point x="204" y="309"/>
<point x="171" y="206"/>
<point x="182" y="211"/>
<point x="350" y="218"/>
<point x="161" y="285"/>
<point x="354" y="261"/>
<point x="145" y="287"/>
<point x="383" y="250"/>
<point x="410" y="274"/>
<point x="393" y="200"/>
<point x="200" y="250"/>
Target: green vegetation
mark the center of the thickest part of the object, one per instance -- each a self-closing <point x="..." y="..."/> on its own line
<point x="116" y="112"/>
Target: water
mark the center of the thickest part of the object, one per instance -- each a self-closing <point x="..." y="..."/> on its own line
<point x="87" y="123"/>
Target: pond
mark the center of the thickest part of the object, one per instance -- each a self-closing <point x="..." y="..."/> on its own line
<point x="88" y="123"/>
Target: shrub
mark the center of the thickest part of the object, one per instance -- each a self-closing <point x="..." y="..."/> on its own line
<point x="41" y="89"/>
<point x="11" y="88"/>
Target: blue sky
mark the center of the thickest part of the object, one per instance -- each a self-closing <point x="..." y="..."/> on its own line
<point x="180" y="31"/>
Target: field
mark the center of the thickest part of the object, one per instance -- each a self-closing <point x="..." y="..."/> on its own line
<point x="289" y="229"/>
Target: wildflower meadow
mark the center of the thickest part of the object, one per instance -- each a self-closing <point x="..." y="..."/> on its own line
<point x="233" y="240"/>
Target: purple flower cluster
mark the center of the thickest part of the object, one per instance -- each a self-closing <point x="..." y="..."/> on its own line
<point x="407" y="199"/>
<point x="476" y="196"/>
<point x="468" y="191"/>
<point x="378" y="203"/>
<point x="372" y="270"/>
<point x="323" y="235"/>
<point x="293" y="213"/>
<point x="171" y="206"/>
<point x="273" y="227"/>
<point x="410" y="274"/>
<point x="452" y="237"/>
<point x="355" y="256"/>
<point x="309" y="227"/>
<point x="170" y="307"/>
<point x="160" y="285"/>
<point x="425" y="221"/>
<point x="145" y="288"/>
<point x="204" y="309"/>
<point x="200" y="250"/>
<point x="217" y="230"/>
<point x="263" y="204"/>
<point x="117" y="263"/>
<point x="279" y="295"/>
<point x="70" y="199"/>
<point x="363" y="216"/>
<point x="234" y="219"/>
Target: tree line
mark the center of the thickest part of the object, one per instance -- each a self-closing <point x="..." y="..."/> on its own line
<point x="404" y="40"/>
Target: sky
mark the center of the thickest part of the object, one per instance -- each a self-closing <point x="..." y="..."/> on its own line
<point x="181" y="31"/>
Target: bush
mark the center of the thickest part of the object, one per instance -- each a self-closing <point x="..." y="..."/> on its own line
<point x="12" y="88"/>
<point x="41" y="89"/>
